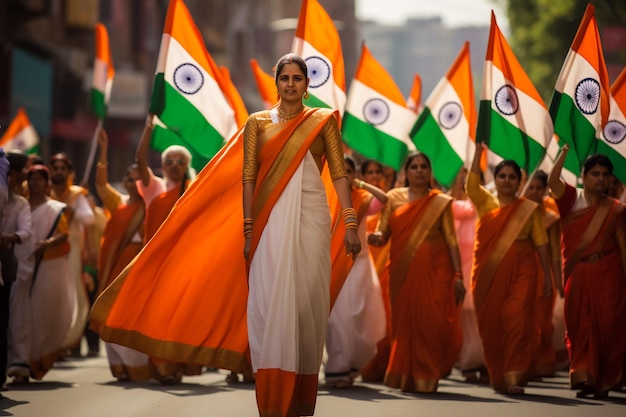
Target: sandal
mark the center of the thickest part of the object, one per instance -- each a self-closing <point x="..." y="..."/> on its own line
<point x="584" y="389"/>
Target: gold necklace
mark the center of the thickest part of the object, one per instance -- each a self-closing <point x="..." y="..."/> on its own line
<point x="283" y="116"/>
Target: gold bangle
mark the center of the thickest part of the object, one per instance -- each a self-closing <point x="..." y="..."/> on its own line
<point x="361" y="184"/>
<point x="102" y="165"/>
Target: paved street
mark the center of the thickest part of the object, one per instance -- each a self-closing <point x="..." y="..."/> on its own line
<point x="85" y="388"/>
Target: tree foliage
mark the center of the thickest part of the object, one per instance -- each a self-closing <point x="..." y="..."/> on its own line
<point x="542" y="31"/>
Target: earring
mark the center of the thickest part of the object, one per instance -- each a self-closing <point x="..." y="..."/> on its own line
<point x="306" y="95"/>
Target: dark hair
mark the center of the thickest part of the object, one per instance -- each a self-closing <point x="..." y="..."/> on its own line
<point x="290" y="58"/>
<point x="542" y="177"/>
<point x="597" y="159"/>
<point x="350" y="161"/>
<point x="508" y="163"/>
<point x="61" y="156"/>
<point x="369" y="162"/>
<point x="39" y="169"/>
<point x="410" y="159"/>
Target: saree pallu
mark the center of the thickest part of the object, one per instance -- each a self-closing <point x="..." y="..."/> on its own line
<point x="505" y="299"/>
<point x="426" y="334"/>
<point x="595" y="306"/>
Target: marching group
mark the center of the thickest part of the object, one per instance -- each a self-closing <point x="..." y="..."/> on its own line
<point x="479" y="277"/>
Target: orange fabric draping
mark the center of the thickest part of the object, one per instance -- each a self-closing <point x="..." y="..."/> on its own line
<point x="158" y="210"/>
<point x="426" y="334"/>
<point x="116" y="248"/>
<point x="295" y="397"/>
<point x="595" y="306"/>
<point x="157" y="303"/>
<point x="342" y="263"/>
<point x="505" y="308"/>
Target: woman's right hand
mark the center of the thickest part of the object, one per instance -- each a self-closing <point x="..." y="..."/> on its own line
<point x="376" y="239"/>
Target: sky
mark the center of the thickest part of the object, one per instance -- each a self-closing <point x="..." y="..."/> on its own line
<point x="453" y="12"/>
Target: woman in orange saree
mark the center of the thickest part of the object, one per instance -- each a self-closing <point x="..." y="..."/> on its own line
<point x="426" y="284"/>
<point x="121" y="242"/>
<point x="504" y="274"/>
<point x="287" y="225"/>
<point x="546" y="359"/>
<point x="594" y="261"/>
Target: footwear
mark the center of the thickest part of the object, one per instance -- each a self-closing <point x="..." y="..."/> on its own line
<point x="232" y="378"/>
<point x="4" y="387"/>
<point x="20" y="380"/>
<point x="585" y="389"/>
<point x="514" y="390"/>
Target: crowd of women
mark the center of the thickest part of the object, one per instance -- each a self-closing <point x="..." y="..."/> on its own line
<point x="378" y="278"/>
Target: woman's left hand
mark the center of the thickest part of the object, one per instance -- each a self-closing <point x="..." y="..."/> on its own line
<point x="352" y="243"/>
<point x="459" y="291"/>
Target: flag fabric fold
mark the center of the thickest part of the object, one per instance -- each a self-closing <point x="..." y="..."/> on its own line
<point x="513" y="119"/>
<point x="317" y="42"/>
<point x="103" y="73"/>
<point x="414" y="100"/>
<point x="580" y="102"/>
<point x="613" y="141"/>
<point x="231" y="92"/>
<point x="445" y="128"/>
<point x="265" y="84"/>
<point x="377" y="122"/>
<point x="189" y="96"/>
<point x="20" y="135"/>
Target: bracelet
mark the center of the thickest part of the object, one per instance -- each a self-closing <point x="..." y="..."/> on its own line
<point x="248" y="220"/>
<point x="102" y="165"/>
<point x="361" y="184"/>
<point x="348" y="212"/>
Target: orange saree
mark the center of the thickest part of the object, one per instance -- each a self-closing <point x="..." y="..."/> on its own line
<point x="595" y="306"/>
<point x="504" y="288"/>
<point x="426" y="333"/>
<point x="156" y="303"/>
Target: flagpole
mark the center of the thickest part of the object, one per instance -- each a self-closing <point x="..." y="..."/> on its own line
<point x="92" y="154"/>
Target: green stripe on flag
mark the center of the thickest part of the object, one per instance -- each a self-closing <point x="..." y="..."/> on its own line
<point x="429" y="139"/>
<point x="186" y="126"/>
<point x="157" y="101"/>
<point x="313" y="101"/>
<point x="618" y="160"/>
<point x="573" y="128"/>
<point x="372" y="143"/>
<point x="509" y="142"/>
<point x="97" y="103"/>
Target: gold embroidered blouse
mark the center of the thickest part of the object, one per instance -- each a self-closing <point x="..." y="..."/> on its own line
<point x="327" y="143"/>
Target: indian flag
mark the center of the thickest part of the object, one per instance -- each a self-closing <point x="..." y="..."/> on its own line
<point x="188" y="96"/>
<point x="20" y="135"/>
<point x="613" y="141"/>
<point x="317" y="42"/>
<point x="512" y="120"/>
<point x="445" y="128"/>
<point x="413" y="101"/>
<point x="580" y="103"/>
<point x="103" y="73"/>
<point x="231" y="92"/>
<point x="265" y="84"/>
<point x="377" y="122"/>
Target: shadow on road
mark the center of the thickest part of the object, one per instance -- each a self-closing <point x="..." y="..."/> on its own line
<point x="6" y="403"/>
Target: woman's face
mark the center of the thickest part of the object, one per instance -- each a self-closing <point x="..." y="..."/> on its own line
<point x="507" y="182"/>
<point x="373" y="174"/>
<point x="291" y="83"/>
<point x="350" y="172"/>
<point x="175" y="166"/>
<point x="418" y="172"/>
<point x="37" y="185"/>
<point x="535" y="190"/>
<point x="130" y="181"/>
